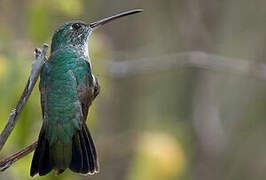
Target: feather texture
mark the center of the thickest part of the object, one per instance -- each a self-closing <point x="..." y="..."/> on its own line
<point x="64" y="141"/>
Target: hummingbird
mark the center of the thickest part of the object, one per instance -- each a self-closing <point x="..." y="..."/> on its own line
<point x="66" y="83"/>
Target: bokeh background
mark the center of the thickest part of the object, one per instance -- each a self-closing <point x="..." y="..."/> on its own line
<point x="156" y="118"/>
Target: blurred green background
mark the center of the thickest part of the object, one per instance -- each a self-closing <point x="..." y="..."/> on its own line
<point x="179" y="123"/>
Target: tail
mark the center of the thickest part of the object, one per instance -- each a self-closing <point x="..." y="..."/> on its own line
<point x="84" y="157"/>
<point x="40" y="162"/>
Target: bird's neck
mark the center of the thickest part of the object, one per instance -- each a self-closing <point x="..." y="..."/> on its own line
<point x="80" y="51"/>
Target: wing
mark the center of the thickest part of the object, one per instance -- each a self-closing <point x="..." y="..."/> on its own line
<point x="87" y="95"/>
<point x="84" y="94"/>
<point x="85" y="82"/>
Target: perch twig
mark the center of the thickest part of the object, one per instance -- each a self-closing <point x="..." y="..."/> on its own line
<point x="35" y="71"/>
<point x="7" y="162"/>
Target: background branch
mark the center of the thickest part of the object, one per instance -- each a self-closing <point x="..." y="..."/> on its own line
<point x="194" y="59"/>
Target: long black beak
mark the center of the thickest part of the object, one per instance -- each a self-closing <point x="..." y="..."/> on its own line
<point x="103" y="21"/>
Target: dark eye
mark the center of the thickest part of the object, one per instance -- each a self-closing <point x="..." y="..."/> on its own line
<point x="76" y="26"/>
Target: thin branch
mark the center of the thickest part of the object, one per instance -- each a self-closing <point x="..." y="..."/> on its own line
<point x="195" y="59"/>
<point x="13" y="117"/>
<point x="7" y="162"/>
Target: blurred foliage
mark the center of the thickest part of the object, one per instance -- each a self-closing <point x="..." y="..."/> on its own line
<point x="159" y="157"/>
<point x="40" y="14"/>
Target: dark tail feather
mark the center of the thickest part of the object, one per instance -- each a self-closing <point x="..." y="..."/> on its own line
<point x="91" y="150"/>
<point x="77" y="159"/>
<point x="84" y="157"/>
<point x="85" y="165"/>
<point x="41" y="162"/>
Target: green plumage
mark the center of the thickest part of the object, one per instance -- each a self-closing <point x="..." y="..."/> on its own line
<point x="60" y="77"/>
<point x="65" y="82"/>
<point x="67" y="89"/>
<point x="59" y="80"/>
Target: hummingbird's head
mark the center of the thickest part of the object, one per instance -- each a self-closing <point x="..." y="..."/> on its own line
<point x="76" y="34"/>
<point x="71" y="34"/>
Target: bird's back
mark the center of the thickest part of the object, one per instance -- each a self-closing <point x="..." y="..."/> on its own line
<point x="59" y="81"/>
<point x="62" y="112"/>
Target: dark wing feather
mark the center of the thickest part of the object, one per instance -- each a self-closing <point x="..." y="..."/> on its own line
<point x="85" y="95"/>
